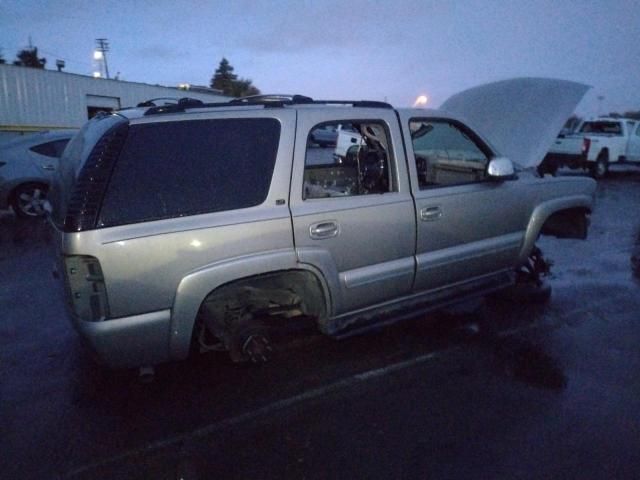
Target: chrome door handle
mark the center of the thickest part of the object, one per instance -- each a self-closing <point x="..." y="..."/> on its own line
<point x="429" y="214"/>
<point x="322" y="230"/>
<point x="48" y="167"/>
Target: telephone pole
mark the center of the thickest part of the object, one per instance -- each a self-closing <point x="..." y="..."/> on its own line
<point x="102" y="46"/>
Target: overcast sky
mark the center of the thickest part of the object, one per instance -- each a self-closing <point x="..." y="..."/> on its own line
<point x="394" y="50"/>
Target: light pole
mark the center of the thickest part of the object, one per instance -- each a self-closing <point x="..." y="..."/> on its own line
<point x="102" y="47"/>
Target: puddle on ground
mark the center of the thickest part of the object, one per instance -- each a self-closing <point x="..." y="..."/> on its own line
<point x="22" y="233"/>
<point x="528" y="362"/>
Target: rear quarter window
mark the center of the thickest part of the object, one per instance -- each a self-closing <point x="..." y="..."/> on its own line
<point x="176" y="169"/>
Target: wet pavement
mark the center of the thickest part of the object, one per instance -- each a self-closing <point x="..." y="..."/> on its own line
<point x="551" y="391"/>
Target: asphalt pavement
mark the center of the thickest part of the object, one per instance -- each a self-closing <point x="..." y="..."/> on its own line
<point x="553" y="391"/>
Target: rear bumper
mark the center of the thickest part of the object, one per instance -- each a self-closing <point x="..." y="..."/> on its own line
<point x="139" y="340"/>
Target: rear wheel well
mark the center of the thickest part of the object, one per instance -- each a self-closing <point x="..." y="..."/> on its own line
<point x="275" y="297"/>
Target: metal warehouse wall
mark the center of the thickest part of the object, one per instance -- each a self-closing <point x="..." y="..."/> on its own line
<point x="33" y="99"/>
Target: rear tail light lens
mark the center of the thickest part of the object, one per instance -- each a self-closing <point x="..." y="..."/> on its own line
<point x="586" y="144"/>
<point x="85" y="288"/>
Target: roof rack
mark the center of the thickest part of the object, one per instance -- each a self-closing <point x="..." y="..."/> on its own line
<point x="272" y="100"/>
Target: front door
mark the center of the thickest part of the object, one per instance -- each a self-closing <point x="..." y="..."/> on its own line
<point x="467" y="225"/>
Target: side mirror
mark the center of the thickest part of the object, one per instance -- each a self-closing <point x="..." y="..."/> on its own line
<point x="500" y="168"/>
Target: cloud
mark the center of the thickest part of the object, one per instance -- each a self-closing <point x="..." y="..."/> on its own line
<point x="160" y="52"/>
<point x="324" y="25"/>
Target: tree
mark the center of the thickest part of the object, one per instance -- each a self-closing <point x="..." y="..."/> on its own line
<point x="228" y="82"/>
<point x="635" y="115"/>
<point x="223" y="78"/>
<point x="243" y="88"/>
<point x="28" y="57"/>
<point x="2" y="60"/>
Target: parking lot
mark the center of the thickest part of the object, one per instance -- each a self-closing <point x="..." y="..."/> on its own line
<point x="554" y="392"/>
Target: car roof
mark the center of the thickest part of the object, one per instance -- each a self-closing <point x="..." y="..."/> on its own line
<point x="188" y="105"/>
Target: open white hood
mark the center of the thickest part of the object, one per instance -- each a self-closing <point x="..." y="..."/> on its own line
<point x="520" y="117"/>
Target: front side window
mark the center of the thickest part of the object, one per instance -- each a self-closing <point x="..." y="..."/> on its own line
<point x="353" y="158"/>
<point x="176" y="169"/>
<point x="445" y="154"/>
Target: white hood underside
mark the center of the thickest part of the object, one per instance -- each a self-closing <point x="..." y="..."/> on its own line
<point x="520" y="117"/>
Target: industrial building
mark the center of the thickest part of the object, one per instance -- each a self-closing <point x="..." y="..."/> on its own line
<point x="33" y="100"/>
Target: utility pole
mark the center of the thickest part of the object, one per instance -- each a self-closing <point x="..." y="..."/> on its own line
<point x="102" y="46"/>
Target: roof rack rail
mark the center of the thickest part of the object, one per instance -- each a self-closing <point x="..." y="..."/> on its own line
<point x="272" y="100"/>
<point x="355" y="103"/>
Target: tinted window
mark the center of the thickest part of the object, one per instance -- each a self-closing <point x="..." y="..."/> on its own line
<point x="445" y="154"/>
<point x="611" y="128"/>
<point x="51" y="149"/>
<point x="72" y="160"/>
<point x="175" y="169"/>
<point x="59" y="146"/>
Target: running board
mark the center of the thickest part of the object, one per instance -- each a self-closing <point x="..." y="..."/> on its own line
<point x="416" y="305"/>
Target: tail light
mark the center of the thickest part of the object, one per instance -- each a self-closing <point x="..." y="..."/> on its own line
<point x="85" y="288"/>
<point x="586" y="144"/>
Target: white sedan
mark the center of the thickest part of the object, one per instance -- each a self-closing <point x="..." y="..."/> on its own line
<point x="26" y="168"/>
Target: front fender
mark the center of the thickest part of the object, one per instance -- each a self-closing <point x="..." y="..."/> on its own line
<point x="194" y="287"/>
<point x="542" y="213"/>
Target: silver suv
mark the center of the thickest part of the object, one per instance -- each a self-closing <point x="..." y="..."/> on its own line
<point x="209" y="226"/>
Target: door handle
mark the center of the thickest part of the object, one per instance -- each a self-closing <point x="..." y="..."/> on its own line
<point x="429" y="214"/>
<point x="48" y="167"/>
<point x="322" y="230"/>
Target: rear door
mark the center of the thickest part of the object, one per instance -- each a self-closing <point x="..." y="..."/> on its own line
<point x="353" y="216"/>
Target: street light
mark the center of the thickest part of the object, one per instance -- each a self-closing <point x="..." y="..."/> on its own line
<point x="421" y="101"/>
<point x="100" y="53"/>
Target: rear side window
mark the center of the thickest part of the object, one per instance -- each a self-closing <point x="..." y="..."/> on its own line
<point x="51" y="149"/>
<point x="176" y="169"/>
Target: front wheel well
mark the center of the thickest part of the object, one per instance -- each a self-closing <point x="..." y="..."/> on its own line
<point x="567" y="223"/>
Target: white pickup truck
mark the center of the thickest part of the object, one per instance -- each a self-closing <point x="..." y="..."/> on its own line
<point x="596" y="144"/>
